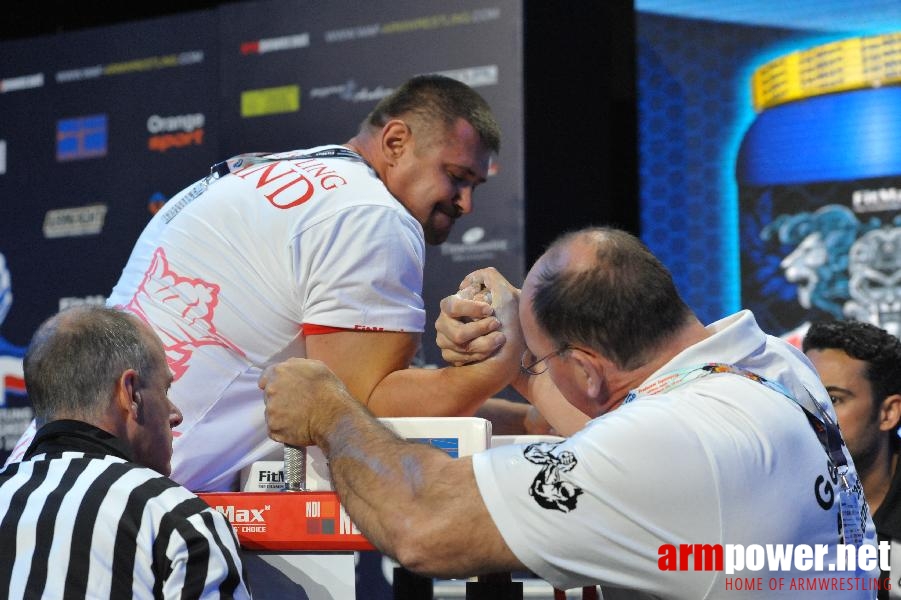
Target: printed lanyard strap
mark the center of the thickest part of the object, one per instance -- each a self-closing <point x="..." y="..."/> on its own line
<point x="826" y="430"/>
<point x="241" y="161"/>
<point x="852" y="509"/>
<point x="223" y="168"/>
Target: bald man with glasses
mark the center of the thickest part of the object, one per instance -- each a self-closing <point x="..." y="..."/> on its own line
<point x="700" y="436"/>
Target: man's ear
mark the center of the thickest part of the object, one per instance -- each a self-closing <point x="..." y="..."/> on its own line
<point x="128" y="397"/>
<point x="396" y="134"/>
<point x="593" y="369"/>
<point x="890" y="413"/>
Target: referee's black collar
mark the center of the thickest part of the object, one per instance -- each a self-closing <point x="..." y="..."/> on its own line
<point x="76" y="436"/>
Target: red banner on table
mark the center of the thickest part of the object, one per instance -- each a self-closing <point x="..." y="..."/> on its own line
<point x="288" y="520"/>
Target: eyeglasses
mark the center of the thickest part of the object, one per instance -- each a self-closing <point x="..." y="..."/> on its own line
<point x="530" y="366"/>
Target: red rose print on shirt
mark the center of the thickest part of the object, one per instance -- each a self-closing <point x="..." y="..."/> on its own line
<point x="180" y="310"/>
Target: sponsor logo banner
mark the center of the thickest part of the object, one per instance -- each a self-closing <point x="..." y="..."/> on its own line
<point x="351" y="91"/>
<point x="474" y="246"/>
<point x="175" y="131"/>
<point x="70" y="301"/>
<point x="288" y="520"/>
<point x="13" y="421"/>
<point x="150" y="63"/>
<point x="74" y="222"/>
<point x="287" y="42"/>
<point x="426" y="23"/>
<point x="22" y="82"/>
<point x="270" y="101"/>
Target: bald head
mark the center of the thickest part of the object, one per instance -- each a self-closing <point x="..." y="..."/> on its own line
<point x="602" y="288"/>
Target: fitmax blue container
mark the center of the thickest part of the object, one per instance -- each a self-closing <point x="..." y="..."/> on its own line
<point x="819" y="182"/>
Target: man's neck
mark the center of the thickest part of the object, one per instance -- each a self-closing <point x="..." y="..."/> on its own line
<point x="620" y="383"/>
<point x="876" y="478"/>
<point x="366" y="146"/>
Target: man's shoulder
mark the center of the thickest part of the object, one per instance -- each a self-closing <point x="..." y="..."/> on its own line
<point x="373" y="213"/>
<point x="161" y="492"/>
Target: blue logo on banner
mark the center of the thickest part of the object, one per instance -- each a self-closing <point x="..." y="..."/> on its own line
<point x="81" y="137"/>
<point x="449" y="445"/>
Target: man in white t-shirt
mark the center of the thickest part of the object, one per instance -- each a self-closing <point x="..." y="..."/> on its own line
<point x="316" y="253"/>
<point x="711" y="450"/>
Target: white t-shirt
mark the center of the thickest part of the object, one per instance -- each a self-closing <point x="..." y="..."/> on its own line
<point x="721" y="459"/>
<point x="227" y="278"/>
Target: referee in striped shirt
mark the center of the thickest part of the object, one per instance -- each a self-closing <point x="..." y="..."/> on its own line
<point x="90" y="511"/>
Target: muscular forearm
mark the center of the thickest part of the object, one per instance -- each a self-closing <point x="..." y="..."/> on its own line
<point x="411" y="501"/>
<point x="451" y="391"/>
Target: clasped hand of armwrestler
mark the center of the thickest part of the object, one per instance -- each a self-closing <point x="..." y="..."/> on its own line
<point x="480" y="319"/>
<point x="476" y="321"/>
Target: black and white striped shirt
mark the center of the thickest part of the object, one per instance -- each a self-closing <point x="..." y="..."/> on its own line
<point x="87" y="523"/>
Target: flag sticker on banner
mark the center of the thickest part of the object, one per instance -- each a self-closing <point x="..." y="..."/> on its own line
<point x="81" y="137"/>
<point x="270" y="101"/>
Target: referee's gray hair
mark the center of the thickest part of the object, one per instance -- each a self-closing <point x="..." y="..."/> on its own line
<point x="76" y="357"/>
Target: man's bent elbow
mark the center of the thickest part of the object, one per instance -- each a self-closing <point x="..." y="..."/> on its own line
<point x="420" y="550"/>
<point x="423" y="560"/>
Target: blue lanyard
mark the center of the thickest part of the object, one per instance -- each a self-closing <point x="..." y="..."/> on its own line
<point x="826" y="429"/>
